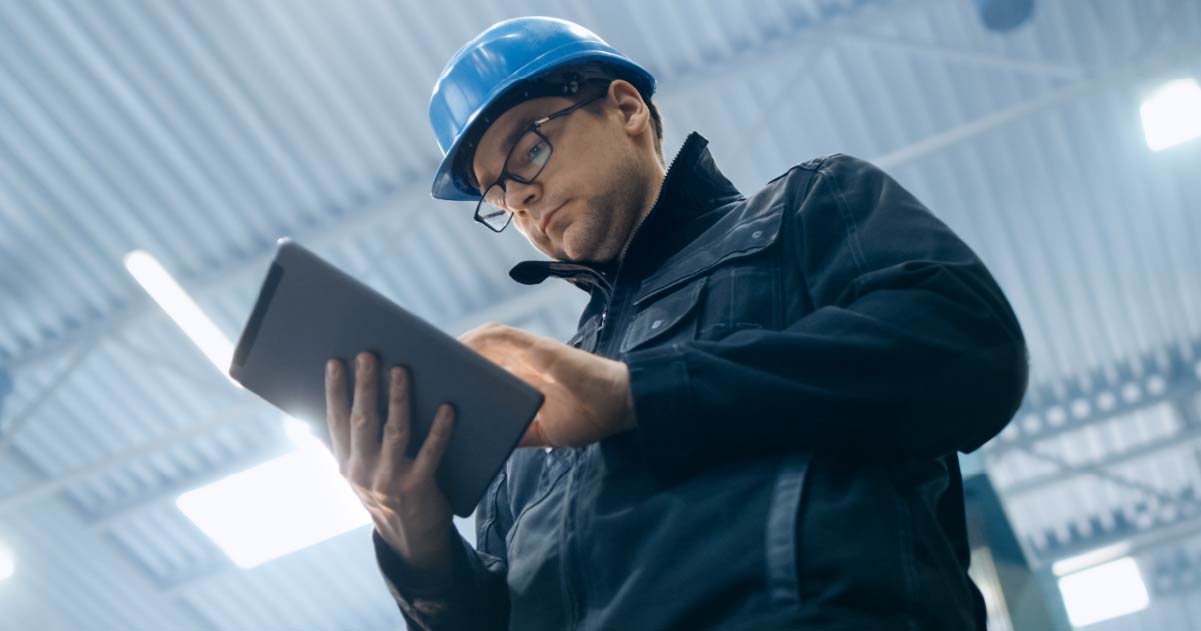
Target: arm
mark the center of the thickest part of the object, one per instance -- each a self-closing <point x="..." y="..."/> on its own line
<point x="911" y="348"/>
<point x="476" y="596"/>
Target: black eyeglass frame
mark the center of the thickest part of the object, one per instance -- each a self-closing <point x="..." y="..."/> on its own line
<point x="536" y="128"/>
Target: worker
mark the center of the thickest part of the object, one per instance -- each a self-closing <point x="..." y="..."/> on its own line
<point x="756" y="422"/>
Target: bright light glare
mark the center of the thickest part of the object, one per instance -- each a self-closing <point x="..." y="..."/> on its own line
<point x="1103" y="592"/>
<point x="278" y="507"/>
<point x="8" y="564"/>
<point x="179" y="305"/>
<point x="299" y="432"/>
<point x="1172" y="114"/>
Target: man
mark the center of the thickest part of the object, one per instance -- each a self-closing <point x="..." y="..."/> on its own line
<point x="755" y="425"/>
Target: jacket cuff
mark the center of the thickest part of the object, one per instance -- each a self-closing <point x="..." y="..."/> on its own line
<point x="400" y="575"/>
<point x="662" y="395"/>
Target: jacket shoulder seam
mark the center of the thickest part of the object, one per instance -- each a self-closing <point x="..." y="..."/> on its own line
<point x="844" y="210"/>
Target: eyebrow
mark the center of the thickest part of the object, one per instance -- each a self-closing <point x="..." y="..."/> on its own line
<point x="522" y="125"/>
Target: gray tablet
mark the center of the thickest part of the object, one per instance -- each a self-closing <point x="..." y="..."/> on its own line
<point x="308" y="312"/>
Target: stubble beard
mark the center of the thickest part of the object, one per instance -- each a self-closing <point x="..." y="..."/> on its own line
<point x="608" y="220"/>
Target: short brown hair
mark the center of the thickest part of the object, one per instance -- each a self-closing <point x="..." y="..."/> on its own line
<point x="658" y="122"/>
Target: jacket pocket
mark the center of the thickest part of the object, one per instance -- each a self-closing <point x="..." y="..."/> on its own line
<point x="743" y="294"/>
<point x="669" y="317"/>
<point x="742" y="277"/>
<point x="741" y="241"/>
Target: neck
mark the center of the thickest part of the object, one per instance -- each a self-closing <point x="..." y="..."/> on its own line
<point x="648" y="204"/>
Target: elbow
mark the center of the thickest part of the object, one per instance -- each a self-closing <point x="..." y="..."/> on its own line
<point x="1000" y="390"/>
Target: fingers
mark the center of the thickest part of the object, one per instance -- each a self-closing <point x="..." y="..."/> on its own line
<point x="336" y="414"/>
<point x="515" y="349"/>
<point x="398" y="429"/>
<point x="435" y="444"/>
<point x="364" y="419"/>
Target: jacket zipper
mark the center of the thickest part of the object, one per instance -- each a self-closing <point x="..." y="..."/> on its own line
<point x="629" y="244"/>
<point x="573" y="595"/>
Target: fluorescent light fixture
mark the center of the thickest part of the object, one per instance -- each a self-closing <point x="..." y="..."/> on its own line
<point x="1103" y="592"/>
<point x="157" y="282"/>
<point x="8" y="563"/>
<point x="276" y="508"/>
<point x="1089" y="559"/>
<point x="1172" y="114"/>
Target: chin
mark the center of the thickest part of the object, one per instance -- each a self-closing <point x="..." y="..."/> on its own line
<point x="581" y="244"/>
<point x="574" y="250"/>
<point x="569" y="247"/>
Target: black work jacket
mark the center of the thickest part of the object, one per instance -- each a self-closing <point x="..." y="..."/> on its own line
<point x="804" y="365"/>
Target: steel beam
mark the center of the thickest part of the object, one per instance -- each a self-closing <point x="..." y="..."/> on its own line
<point x="1104" y="394"/>
<point x="966" y="57"/>
<point x="26" y="414"/>
<point x="1100" y="468"/>
<point x="1185" y="524"/>
<point x="114" y="514"/>
<point x="230" y="413"/>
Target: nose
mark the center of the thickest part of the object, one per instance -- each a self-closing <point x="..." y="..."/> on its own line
<point x="519" y="197"/>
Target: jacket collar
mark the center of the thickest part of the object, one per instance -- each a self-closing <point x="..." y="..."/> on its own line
<point x="692" y="189"/>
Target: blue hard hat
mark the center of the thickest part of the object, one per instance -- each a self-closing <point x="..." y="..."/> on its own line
<point x="502" y="67"/>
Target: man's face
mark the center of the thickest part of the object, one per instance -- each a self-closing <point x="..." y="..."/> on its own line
<point x="583" y="204"/>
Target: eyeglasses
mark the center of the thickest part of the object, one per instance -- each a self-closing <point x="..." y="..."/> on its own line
<point x="524" y="163"/>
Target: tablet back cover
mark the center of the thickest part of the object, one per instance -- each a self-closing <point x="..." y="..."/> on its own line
<point x="308" y="311"/>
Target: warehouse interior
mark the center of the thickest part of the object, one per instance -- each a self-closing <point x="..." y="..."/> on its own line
<point x="192" y="136"/>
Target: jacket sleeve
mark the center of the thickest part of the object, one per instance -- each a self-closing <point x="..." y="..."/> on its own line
<point x="476" y="599"/>
<point x="909" y="348"/>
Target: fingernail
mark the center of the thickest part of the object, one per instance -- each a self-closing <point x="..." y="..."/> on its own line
<point x="331" y="368"/>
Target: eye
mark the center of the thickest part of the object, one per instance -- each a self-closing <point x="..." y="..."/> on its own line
<point x="536" y="153"/>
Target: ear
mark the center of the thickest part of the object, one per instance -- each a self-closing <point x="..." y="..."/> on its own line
<point x="635" y="115"/>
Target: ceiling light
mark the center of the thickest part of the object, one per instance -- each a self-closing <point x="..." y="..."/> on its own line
<point x="1103" y="592"/>
<point x="1172" y="114"/>
<point x="1092" y="558"/>
<point x="157" y="282"/>
<point x="278" y="507"/>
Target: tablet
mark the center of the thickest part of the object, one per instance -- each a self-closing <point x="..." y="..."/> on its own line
<point x="309" y="311"/>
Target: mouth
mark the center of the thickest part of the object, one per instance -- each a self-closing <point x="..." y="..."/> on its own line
<point x="547" y="219"/>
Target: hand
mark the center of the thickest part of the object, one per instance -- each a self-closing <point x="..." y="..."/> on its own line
<point x="410" y="512"/>
<point x="587" y="396"/>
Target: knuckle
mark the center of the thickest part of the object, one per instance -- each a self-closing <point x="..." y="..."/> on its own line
<point x="394" y="431"/>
